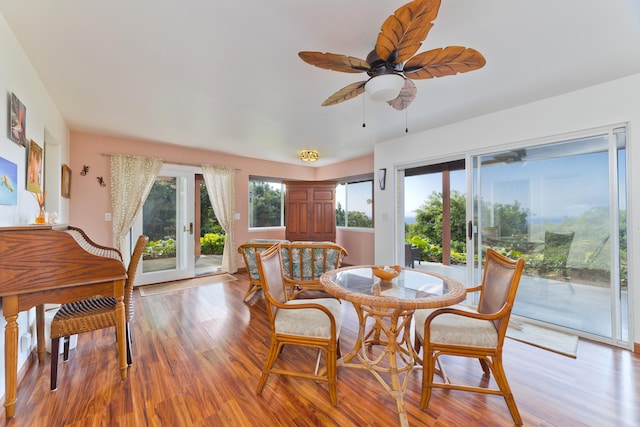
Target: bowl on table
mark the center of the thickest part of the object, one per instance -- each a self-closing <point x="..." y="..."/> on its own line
<point x="386" y="274"/>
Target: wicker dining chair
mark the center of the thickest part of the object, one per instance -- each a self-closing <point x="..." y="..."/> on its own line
<point x="93" y="314"/>
<point x="465" y="332"/>
<point x="313" y="323"/>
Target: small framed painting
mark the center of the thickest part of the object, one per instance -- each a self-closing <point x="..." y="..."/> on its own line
<point x="34" y="168"/>
<point x="17" y="121"/>
<point x="8" y="178"/>
<point x="66" y="181"/>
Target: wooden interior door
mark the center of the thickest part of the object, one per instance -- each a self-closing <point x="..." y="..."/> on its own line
<point x="310" y="212"/>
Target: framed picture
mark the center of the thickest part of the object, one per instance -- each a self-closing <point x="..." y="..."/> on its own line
<point x="17" y="121"/>
<point x="66" y="181"/>
<point x="8" y="178"/>
<point x="34" y="168"/>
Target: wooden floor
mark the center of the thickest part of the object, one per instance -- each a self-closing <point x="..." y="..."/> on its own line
<point x="198" y="354"/>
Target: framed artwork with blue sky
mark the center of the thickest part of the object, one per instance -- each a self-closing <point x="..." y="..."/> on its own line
<point x="8" y="179"/>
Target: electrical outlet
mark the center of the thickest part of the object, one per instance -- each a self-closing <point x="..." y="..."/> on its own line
<point x="25" y="342"/>
<point x="107" y="216"/>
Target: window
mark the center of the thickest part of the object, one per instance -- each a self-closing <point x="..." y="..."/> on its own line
<point x="354" y="203"/>
<point x="266" y="203"/>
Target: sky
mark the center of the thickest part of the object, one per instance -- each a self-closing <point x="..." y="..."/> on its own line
<point x="418" y="188"/>
<point x="549" y="188"/>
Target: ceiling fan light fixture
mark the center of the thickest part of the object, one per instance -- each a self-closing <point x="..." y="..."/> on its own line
<point x="309" y="155"/>
<point x="384" y="87"/>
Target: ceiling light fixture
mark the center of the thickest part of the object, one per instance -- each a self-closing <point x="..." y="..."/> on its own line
<point x="308" y="155"/>
<point x="384" y="87"/>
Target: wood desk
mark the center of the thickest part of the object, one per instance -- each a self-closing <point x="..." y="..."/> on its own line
<point x="40" y="265"/>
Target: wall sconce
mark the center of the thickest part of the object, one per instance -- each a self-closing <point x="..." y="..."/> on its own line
<point x="309" y="155"/>
<point x="382" y="177"/>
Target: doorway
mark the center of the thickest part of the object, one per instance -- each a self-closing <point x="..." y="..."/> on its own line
<point x="435" y="212"/>
<point x="185" y="239"/>
<point x="167" y="218"/>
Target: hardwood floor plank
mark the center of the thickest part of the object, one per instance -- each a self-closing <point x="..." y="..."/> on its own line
<point x="198" y="355"/>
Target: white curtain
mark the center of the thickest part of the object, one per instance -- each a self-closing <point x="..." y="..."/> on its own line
<point x="131" y="180"/>
<point x="221" y="187"/>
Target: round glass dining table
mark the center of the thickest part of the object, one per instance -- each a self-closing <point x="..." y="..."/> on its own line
<point x="385" y="310"/>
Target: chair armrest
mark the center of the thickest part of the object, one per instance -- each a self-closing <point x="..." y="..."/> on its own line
<point x="301" y="306"/>
<point x="472" y="314"/>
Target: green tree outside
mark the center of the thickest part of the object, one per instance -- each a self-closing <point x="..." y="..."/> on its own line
<point x="265" y="204"/>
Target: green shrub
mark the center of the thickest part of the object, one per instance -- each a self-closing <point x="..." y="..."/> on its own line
<point x="160" y="249"/>
<point x="212" y="244"/>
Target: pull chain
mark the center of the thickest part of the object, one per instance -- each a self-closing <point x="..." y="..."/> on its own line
<point x="406" y="120"/>
<point x="363" y="121"/>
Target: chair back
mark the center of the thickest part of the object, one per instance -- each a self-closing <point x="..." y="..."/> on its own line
<point x="499" y="287"/>
<point x="271" y="273"/>
<point x="131" y="274"/>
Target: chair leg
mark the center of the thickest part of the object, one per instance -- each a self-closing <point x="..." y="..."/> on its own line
<point x="65" y="356"/>
<point x="417" y="345"/>
<point x="127" y="330"/>
<point x="501" y="380"/>
<point x="318" y="362"/>
<point x="274" y="351"/>
<point x="332" y="374"/>
<point x="428" y="370"/>
<point x="485" y="366"/>
<point x="55" y="349"/>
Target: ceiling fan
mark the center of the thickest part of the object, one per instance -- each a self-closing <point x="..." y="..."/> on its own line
<point x="392" y="62"/>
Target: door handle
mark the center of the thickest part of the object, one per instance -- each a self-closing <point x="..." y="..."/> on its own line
<point x="190" y="228"/>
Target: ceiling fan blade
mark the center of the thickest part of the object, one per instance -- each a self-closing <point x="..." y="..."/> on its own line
<point x="443" y="62"/>
<point x="345" y="94"/>
<point x="406" y="97"/>
<point x="335" y="62"/>
<point x="403" y="32"/>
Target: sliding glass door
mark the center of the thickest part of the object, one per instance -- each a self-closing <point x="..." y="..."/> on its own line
<point x="562" y="206"/>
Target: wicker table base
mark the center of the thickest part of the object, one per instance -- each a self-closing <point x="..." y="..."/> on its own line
<point x="390" y="329"/>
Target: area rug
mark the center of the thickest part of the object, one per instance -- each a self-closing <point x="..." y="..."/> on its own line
<point x="539" y="336"/>
<point x="178" y="285"/>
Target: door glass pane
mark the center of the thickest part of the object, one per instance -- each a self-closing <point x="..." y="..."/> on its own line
<point x="159" y="218"/>
<point x="551" y="205"/>
<point x="424" y="221"/>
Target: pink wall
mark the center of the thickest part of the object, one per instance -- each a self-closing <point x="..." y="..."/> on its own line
<point x="359" y="244"/>
<point x="89" y="202"/>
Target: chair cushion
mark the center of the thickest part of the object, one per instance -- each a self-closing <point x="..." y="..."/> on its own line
<point x="309" y="322"/>
<point x="454" y="329"/>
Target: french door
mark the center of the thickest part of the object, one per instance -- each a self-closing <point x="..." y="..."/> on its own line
<point x="562" y="206"/>
<point x="167" y="217"/>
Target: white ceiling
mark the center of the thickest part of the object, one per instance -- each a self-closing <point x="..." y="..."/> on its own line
<point x="226" y="76"/>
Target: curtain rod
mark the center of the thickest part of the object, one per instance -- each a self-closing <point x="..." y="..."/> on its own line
<point x="170" y="163"/>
